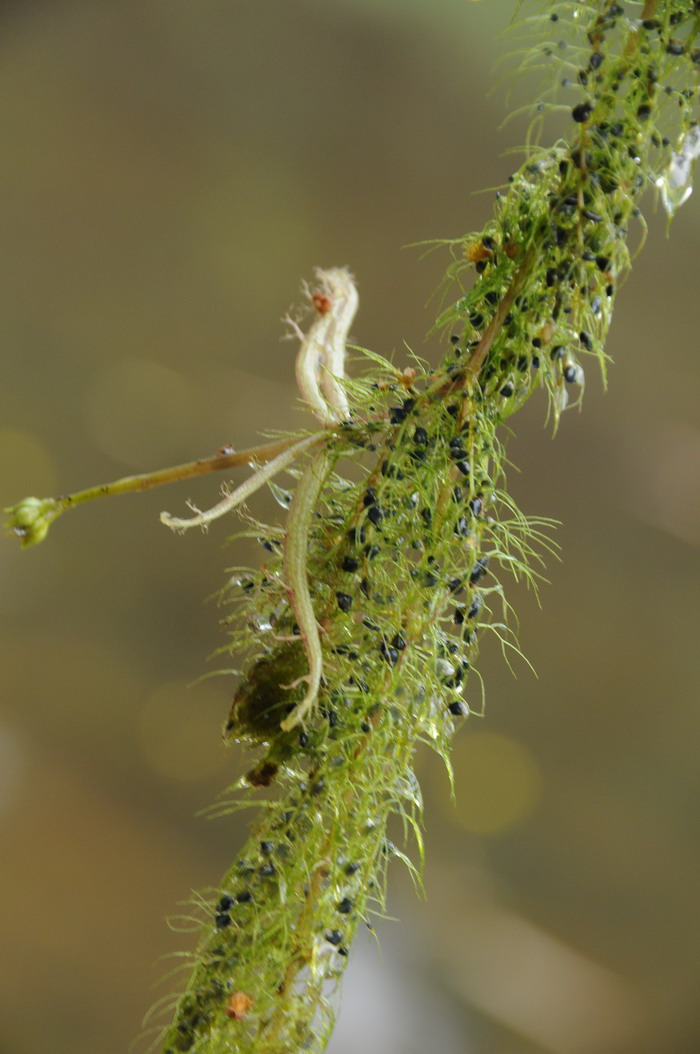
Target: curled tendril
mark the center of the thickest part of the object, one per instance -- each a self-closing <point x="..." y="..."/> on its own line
<point x="320" y="366"/>
<point x="320" y="362"/>
<point x="241" y="493"/>
<point x="301" y="511"/>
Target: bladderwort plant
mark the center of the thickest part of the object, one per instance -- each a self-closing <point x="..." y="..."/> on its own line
<point x="360" y="631"/>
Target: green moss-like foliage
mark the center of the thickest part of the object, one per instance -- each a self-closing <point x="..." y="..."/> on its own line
<point x="265" y="696"/>
<point x="407" y="563"/>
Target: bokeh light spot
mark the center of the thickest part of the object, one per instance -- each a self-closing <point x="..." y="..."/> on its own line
<point x="179" y="730"/>
<point x="137" y="411"/>
<point x="26" y="466"/>
<point x="12" y="768"/>
<point x="497" y="783"/>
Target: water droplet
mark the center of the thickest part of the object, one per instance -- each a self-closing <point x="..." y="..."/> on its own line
<point x="560" y="397"/>
<point x="443" y="668"/>
<point x="281" y="496"/>
<point x="676" y="183"/>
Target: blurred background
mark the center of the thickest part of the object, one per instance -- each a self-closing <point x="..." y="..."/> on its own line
<point x="169" y="174"/>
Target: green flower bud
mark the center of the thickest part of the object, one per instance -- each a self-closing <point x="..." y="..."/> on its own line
<point x="31" y="518"/>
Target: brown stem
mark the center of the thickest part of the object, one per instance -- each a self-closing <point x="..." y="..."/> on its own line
<point x="226" y="458"/>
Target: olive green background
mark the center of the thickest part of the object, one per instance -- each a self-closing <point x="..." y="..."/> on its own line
<point x="169" y="172"/>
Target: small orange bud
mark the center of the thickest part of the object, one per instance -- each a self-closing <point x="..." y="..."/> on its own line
<point x="238" y="1005"/>
<point x="321" y="302"/>
<point x="547" y="331"/>
<point x="477" y="251"/>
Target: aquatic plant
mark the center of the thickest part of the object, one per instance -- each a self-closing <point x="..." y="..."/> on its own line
<point x="361" y="629"/>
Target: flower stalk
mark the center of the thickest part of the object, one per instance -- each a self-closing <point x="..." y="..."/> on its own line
<point x="30" y="519"/>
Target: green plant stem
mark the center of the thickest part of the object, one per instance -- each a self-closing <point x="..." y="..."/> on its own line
<point x="176" y="473"/>
<point x="31" y="518"/>
<point x="396" y="564"/>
